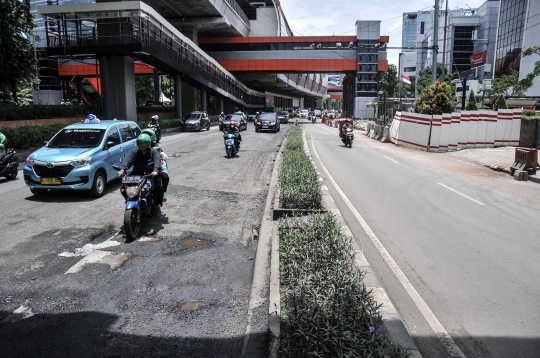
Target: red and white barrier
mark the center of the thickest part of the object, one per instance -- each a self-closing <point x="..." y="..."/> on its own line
<point x="468" y="129"/>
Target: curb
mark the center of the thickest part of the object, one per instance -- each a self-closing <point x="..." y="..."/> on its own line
<point x="391" y="319"/>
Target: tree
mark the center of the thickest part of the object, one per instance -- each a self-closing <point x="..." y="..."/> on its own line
<point x="388" y="81"/>
<point x="472" y="105"/>
<point x="144" y="89"/>
<point x="437" y="100"/>
<point x="424" y="77"/>
<point x="500" y="103"/>
<point x="510" y="85"/>
<point x="16" y="49"/>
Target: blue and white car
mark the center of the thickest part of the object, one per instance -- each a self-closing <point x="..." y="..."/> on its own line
<point x="80" y="157"/>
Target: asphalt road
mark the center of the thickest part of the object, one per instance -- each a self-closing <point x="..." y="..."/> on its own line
<point x="466" y="238"/>
<point x="72" y="287"/>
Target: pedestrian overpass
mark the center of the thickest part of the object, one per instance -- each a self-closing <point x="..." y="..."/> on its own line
<point x="117" y="32"/>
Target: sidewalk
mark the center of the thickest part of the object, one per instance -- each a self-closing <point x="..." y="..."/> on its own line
<point x="494" y="158"/>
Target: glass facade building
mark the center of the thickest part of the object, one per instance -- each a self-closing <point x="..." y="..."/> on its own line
<point x="510" y="35"/>
<point x="408" y="33"/>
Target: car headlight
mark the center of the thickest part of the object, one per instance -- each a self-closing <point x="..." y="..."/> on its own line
<point x="81" y="162"/>
<point x="30" y="162"/>
<point x="132" y="191"/>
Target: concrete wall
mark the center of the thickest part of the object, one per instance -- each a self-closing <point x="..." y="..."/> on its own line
<point x="266" y="23"/>
<point x="47" y="97"/>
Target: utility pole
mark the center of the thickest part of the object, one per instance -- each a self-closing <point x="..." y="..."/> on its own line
<point x="435" y="42"/>
<point x="444" y="41"/>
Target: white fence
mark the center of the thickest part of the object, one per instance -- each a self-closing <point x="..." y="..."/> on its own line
<point x="468" y="129"/>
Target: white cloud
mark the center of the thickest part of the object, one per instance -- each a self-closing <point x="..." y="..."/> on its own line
<point x="338" y="17"/>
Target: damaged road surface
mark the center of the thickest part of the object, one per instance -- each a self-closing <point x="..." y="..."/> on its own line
<point x="72" y="285"/>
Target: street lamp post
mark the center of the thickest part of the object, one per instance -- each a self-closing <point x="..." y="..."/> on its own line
<point x="384" y="115"/>
<point x="37" y="40"/>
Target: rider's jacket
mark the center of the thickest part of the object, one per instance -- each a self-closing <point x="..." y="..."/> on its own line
<point x="140" y="161"/>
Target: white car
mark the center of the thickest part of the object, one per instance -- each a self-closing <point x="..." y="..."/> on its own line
<point x="304" y="113"/>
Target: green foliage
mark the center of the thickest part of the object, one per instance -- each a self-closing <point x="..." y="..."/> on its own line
<point x="43" y="111"/>
<point x="530" y="115"/>
<point x="16" y="50"/>
<point x="326" y="310"/>
<point x="423" y="82"/>
<point x="163" y="123"/>
<point x="437" y="100"/>
<point x="500" y="103"/>
<point x="472" y="105"/>
<point x="405" y="90"/>
<point x="30" y="137"/>
<point x="144" y="89"/>
<point x="300" y="188"/>
<point x="388" y="81"/>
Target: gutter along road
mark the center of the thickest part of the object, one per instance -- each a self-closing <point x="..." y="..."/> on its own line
<point x="465" y="238"/>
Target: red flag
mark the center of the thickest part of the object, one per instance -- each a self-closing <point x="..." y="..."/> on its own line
<point x="405" y="78"/>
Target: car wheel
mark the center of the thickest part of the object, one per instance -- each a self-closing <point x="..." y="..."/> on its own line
<point x="39" y="192"/>
<point x="98" y="188"/>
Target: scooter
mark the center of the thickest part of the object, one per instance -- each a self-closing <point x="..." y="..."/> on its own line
<point x="313" y="118"/>
<point x="8" y="165"/>
<point x="348" y="137"/>
<point x="231" y="148"/>
<point x="138" y="191"/>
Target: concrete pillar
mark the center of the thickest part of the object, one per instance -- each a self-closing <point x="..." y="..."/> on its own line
<point x="156" y="86"/>
<point x="177" y="96"/>
<point x="221" y="104"/>
<point x="118" y="87"/>
<point x="203" y="99"/>
<point x="301" y="103"/>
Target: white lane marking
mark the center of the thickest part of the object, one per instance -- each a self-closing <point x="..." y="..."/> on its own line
<point x="395" y="161"/>
<point x="463" y="195"/>
<point x="89" y="248"/>
<point x="463" y="161"/>
<point x="422" y="306"/>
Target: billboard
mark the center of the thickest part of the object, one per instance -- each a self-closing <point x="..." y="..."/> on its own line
<point x="478" y="59"/>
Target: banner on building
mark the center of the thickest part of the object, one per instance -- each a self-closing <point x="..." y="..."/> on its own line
<point x="478" y="59"/>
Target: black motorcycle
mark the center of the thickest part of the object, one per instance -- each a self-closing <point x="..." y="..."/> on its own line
<point x="154" y="125"/>
<point x="8" y="165"/>
<point x="138" y="191"/>
<point x="347" y="137"/>
<point x="313" y="118"/>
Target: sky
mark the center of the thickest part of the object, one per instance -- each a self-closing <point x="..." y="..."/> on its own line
<point x="338" y="17"/>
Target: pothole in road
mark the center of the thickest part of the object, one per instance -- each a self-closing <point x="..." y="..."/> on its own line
<point x="193" y="241"/>
<point x="190" y="306"/>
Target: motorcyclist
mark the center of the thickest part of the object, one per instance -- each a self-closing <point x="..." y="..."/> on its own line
<point x="256" y="116"/>
<point x="139" y="159"/>
<point x="164" y="174"/>
<point x="92" y="119"/>
<point x="346" y="125"/>
<point x="221" y="117"/>
<point x="154" y="122"/>
<point x="234" y="130"/>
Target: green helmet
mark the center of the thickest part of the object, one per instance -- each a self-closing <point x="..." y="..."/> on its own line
<point x="143" y="138"/>
<point x="150" y="132"/>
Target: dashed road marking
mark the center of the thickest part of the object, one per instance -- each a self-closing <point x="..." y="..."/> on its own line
<point x="463" y="195"/>
<point x="395" y="161"/>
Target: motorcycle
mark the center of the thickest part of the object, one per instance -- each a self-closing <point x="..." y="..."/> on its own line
<point x="231" y="148"/>
<point x="347" y="137"/>
<point x="313" y="118"/>
<point x="138" y="191"/>
<point x="8" y="165"/>
<point x="156" y="128"/>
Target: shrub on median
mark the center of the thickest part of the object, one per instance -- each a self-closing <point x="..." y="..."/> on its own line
<point x="299" y="181"/>
<point x="30" y="137"/>
<point x="326" y="311"/>
<point x="44" y="111"/>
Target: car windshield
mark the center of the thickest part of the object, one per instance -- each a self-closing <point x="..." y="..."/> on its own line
<point x="234" y="117"/>
<point x="77" y="138"/>
<point x="268" y="116"/>
<point x="283" y="112"/>
<point x="192" y="116"/>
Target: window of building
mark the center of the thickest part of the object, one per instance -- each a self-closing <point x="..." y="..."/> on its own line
<point x="422" y="27"/>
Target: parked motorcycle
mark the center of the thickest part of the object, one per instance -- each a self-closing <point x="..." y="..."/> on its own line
<point x="231" y="146"/>
<point x="154" y="125"/>
<point x="138" y="191"/>
<point x="8" y="165"/>
<point x="347" y="137"/>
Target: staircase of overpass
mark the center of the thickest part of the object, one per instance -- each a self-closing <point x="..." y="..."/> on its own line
<point x="150" y="32"/>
